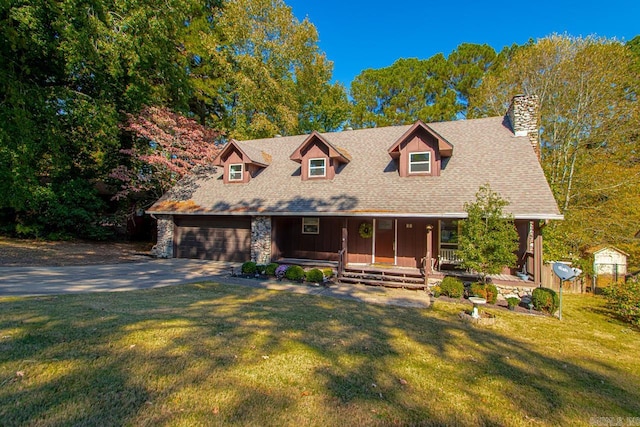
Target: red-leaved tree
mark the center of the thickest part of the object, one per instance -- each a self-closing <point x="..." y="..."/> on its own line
<point x="168" y="146"/>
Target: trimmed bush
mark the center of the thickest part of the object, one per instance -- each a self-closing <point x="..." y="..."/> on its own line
<point x="294" y="273"/>
<point x="545" y="299"/>
<point x="624" y="300"/>
<point x="488" y="292"/>
<point x="270" y="269"/>
<point x="513" y="301"/>
<point x="249" y="267"/>
<point x="452" y="287"/>
<point x="315" y="276"/>
<point x="328" y="272"/>
<point x="260" y="268"/>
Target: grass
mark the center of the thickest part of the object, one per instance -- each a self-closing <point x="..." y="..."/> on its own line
<point x="211" y="354"/>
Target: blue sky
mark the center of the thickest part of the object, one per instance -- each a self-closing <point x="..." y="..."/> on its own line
<point x="358" y="34"/>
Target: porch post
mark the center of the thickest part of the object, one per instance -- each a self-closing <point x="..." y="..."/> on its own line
<point x="429" y="257"/>
<point x="343" y="256"/>
<point x="537" y="254"/>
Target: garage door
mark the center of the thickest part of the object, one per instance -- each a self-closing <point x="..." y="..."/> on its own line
<point x="215" y="238"/>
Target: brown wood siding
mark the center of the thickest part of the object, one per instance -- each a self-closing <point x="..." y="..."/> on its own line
<point x="234" y="157"/>
<point x="215" y="238"/>
<point x="317" y="150"/>
<point x="359" y="249"/>
<point x="412" y="241"/>
<point x="420" y="141"/>
<point x="290" y="242"/>
<point x="522" y="226"/>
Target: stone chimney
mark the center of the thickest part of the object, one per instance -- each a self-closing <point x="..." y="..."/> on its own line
<point x="523" y="117"/>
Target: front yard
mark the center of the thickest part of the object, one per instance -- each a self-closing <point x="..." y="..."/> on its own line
<point x="211" y="354"/>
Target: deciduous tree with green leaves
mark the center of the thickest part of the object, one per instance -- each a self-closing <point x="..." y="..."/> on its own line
<point x="588" y="90"/>
<point x="488" y="239"/>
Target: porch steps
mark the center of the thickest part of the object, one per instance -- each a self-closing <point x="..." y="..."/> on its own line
<point x="392" y="278"/>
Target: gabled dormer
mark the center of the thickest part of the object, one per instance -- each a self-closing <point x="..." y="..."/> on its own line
<point x="318" y="158"/>
<point x="419" y="152"/>
<point x="240" y="164"/>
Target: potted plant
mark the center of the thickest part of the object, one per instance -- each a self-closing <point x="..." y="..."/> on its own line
<point x="512" y="303"/>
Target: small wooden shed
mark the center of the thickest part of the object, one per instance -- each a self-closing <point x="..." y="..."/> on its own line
<point x="610" y="261"/>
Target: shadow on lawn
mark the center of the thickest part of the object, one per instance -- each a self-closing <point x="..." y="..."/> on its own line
<point x="220" y="356"/>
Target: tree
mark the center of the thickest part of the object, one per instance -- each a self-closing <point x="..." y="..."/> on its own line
<point x="257" y="72"/>
<point x="588" y="91"/>
<point x="488" y="240"/>
<point x="431" y="90"/>
<point x="168" y="146"/>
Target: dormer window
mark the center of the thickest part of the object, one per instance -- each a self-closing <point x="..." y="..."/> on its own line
<point x="235" y="172"/>
<point x="420" y="162"/>
<point x="317" y="168"/>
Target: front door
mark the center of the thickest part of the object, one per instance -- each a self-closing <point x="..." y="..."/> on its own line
<point x="385" y="241"/>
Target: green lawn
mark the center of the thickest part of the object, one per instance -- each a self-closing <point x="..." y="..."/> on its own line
<point x="212" y="354"/>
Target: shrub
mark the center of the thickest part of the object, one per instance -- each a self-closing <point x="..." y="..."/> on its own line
<point x="328" y="272"/>
<point x="294" y="273"/>
<point x="270" y="269"/>
<point x="452" y="287"/>
<point x="315" y="275"/>
<point x="249" y="267"/>
<point x="436" y="291"/>
<point x="281" y="271"/>
<point x="260" y="268"/>
<point x="488" y="292"/>
<point x="545" y="299"/>
<point x="513" y="301"/>
<point x="624" y="300"/>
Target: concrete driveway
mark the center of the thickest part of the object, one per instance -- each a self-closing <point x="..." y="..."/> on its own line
<point x="24" y="281"/>
<point x="32" y="281"/>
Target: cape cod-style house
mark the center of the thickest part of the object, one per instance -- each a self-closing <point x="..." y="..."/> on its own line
<point x="387" y="197"/>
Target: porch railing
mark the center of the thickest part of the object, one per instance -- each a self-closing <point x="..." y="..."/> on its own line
<point x="448" y="256"/>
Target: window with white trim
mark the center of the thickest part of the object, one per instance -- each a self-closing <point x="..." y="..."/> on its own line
<point x="310" y="225"/>
<point x="420" y="162"/>
<point x="235" y="172"/>
<point x="317" y="168"/>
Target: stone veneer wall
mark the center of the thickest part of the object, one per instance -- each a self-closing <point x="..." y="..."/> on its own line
<point x="523" y="116"/>
<point x="164" y="246"/>
<point x="503" y="290"/>
<point x="261" y="239"/>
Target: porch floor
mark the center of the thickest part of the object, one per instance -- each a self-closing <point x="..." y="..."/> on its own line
<point x="302" y="262"/>
<point x="500" y="279"/>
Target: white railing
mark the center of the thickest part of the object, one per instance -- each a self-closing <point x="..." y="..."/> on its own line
<point x="448" y="256"/>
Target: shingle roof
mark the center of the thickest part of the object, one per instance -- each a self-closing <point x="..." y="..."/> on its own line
<point x="486" y="151"/>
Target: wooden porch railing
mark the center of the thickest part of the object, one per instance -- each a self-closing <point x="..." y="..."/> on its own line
<point x="448" y="256"/>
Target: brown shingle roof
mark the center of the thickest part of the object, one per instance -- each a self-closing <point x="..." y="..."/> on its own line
<point x="486" y="151"/>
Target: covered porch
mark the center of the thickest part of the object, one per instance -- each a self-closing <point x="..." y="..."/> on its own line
<point x="386" y="249"/>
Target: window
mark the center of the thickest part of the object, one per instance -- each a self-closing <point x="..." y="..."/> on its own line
<point x="310" y="225"/>
<point x="235" y="172"/>
<point x="317" y="168"/>
<point x="420" y="162"/>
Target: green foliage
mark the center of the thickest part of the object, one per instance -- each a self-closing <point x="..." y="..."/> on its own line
<point x="270" y="269"/>
<point x="436" y="291"/>
<point x="295" y="273"/>
<point x="488" y="239"/>
<point x="433" y="89"/>
<point x="545" y="299"/>
<point x="452" y="287"/>
<point x="328" y="272"/>
<point x="588" y="91"/>
<point x="513" y="301"/>
<point x="314" y="275"/>
<point x="487" y="291"/>
<point x="249" y="267"/>
<point x="624" y="300"/>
